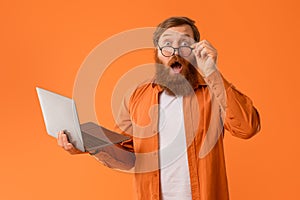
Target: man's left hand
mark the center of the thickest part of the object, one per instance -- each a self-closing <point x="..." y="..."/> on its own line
<point x="206" y="57"/>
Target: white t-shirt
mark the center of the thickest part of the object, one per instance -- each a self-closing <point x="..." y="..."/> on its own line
<point x="174" y="170"/>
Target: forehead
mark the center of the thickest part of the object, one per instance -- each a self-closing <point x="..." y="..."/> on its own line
<point x="179" y="31"/>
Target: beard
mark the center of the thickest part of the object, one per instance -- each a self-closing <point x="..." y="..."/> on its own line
<point x="178" y="84"/>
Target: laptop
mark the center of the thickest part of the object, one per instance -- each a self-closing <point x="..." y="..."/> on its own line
<point x="59" y="113"/>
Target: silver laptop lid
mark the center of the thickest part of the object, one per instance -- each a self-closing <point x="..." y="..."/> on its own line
<point x="60" y="113"/>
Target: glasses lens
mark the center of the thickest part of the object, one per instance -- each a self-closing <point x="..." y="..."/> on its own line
<point x="167" y="51"/>
<point x="185" y="51"/>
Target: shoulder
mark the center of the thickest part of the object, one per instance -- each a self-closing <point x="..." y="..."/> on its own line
<point x="145" y="89"/>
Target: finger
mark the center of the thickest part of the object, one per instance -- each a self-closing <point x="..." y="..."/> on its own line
<point x="197" y="49"/>
<point x="194" y="45"/>
<point x="69" y="147"/>
<point x="209" y="50"/>
<point x="211" y="53"/>
<point x="65" y="141"/>
<point x="208" y="47"/>
<point x="59" y="139"/>
<point x="204" y="53"/>
<point x="205" y="43"/>
<point x="72" y="150"/>
<point x="204" y="49"/>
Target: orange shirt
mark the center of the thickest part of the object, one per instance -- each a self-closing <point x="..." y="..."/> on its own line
<point x="202" y="112"/>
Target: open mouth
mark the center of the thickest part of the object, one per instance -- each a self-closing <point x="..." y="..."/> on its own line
<point x="176" y="67"/>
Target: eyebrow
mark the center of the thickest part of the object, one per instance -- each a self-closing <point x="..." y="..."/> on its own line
<point x="168" y="34"/>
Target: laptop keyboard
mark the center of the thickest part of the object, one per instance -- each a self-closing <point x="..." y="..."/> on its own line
<point x="91" y="141"/>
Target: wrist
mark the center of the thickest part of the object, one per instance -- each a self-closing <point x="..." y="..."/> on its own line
<point x="209" y="71"/>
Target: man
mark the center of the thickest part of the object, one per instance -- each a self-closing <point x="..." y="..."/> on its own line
<point x="176" y="120"/>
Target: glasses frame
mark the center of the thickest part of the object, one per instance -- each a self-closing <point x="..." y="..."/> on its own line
<point x="174" y="50"/>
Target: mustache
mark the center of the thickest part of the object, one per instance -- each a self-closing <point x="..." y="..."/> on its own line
<point x="178" y="60"/>
<point x="177" y="84"/>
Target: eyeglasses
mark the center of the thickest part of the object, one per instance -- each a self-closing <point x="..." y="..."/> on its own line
<point x="183" y="51"/>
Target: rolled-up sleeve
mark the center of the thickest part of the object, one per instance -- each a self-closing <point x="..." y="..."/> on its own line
<point x="241" y="117"/>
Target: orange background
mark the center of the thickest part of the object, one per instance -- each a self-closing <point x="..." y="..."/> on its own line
<point x="44" y="43"/>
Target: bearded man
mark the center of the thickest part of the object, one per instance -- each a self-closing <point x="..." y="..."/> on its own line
<point x="176" y="121"/>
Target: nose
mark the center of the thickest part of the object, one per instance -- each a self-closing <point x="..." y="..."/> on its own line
<point x="176" y="51"/>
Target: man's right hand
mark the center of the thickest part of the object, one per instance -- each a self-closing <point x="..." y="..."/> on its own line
<point x="62" y="141"/>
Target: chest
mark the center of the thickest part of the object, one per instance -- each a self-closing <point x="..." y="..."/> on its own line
<point x="146" y="114"/>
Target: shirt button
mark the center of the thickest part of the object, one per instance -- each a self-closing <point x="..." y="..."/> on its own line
<point x="155" y="196"/>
